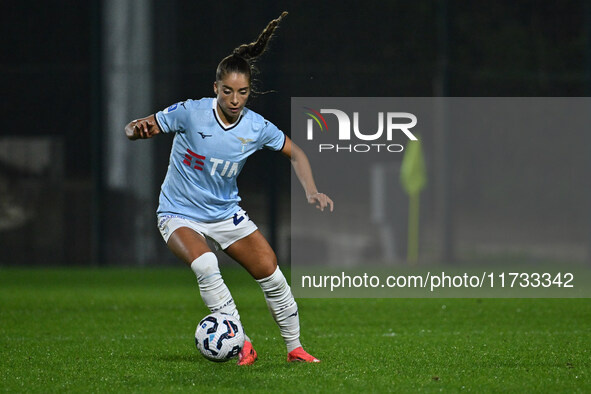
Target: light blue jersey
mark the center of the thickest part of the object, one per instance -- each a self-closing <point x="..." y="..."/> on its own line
<point x="207" y="157"/>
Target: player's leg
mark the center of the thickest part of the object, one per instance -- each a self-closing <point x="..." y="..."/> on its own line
<point x="191" y="248"/>
<point x="255" y="254"/>
<point x="187" y="244"/>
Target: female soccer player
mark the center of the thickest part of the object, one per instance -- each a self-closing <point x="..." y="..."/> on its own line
<point x="199" y="197"/>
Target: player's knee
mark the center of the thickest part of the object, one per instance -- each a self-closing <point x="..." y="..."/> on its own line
<point x="205" y="265"/>
<point x="268" y="265"/>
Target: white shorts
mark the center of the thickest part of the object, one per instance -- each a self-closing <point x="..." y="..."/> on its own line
<point x="223" y="233"/>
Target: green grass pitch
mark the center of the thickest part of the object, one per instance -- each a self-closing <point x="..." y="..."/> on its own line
<point x="131" y="330"/>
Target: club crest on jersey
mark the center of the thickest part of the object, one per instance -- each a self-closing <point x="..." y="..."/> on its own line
<point x="244" y="142"/>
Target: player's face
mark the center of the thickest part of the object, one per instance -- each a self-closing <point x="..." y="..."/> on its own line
<point x="232" y="92"/>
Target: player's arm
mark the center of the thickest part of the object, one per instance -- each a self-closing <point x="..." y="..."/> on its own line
<point x="301" y="166"/>
<point x="142" y="128"/>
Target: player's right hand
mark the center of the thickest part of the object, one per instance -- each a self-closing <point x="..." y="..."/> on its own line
<point x="142" y="128"/>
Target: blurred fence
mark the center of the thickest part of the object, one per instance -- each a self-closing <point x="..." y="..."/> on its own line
<point x="41" y="212"/>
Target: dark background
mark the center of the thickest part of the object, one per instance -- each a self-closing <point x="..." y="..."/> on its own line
<point x="53" y="90"/>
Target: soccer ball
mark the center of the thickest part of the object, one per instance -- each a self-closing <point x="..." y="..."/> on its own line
<point x="219" y="337"/>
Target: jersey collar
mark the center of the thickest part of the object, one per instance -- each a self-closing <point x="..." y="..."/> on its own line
<point x="219" y="120"/>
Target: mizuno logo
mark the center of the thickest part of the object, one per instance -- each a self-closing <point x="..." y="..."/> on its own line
<point x="203" y="135"/>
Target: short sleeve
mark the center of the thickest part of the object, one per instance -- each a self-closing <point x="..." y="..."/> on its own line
<point x="273" y="138"/>
<point x="174" y="118"/>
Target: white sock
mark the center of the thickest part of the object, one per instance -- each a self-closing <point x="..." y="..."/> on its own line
<point x="214" y="291"/>
<point x="283" y="307"/>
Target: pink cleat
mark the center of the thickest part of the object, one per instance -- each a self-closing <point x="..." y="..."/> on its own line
<point x="248" y="355"/>
<point x="299" y="354"/>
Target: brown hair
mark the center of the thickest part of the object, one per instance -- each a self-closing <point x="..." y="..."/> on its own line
<point x="242" y="58"/>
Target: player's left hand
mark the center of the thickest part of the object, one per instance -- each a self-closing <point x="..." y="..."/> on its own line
<point x="321" y="200"/>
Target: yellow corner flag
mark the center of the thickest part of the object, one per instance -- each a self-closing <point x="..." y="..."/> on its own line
<point x="413" y="177"/>
<point x="413" y="174"/>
